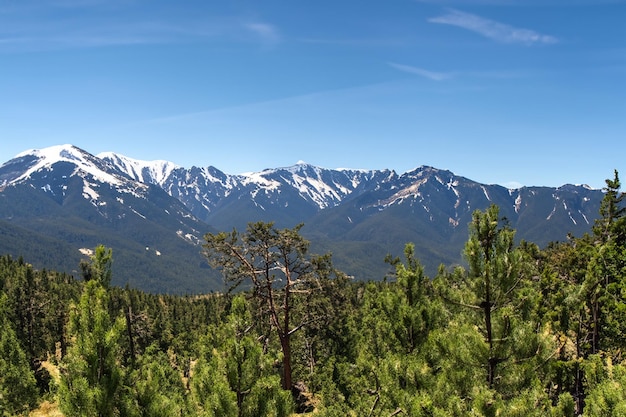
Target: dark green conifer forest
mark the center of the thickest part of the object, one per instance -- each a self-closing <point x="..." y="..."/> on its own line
<point x="518" y="330"/>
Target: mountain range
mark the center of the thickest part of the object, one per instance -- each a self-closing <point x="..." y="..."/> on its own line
<point x="58" y="203"/>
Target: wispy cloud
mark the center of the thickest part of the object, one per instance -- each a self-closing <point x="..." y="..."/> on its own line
<point x="56" y="35"/>
<point x="265" y="32"/>
<point x="88" y="31"/>
<point x="432" y="75"/>
<point x="476" y="74"/>
<point x="491" y="29"/>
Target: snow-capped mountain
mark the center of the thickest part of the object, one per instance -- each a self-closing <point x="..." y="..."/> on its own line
<point x="212" y="195"/>
<point x="207" y="192"/>
<point x="149" y="172"/>
<point x="432" y="208"/>
<point x="359" y="215"/>
<point x="62" y="171"/>
<point x="66" y="193"/>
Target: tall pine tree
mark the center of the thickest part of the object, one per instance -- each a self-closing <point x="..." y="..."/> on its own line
<point x="92" y="373"/>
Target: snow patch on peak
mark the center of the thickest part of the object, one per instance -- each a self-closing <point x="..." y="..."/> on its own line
<point x="322" y="186"/>
<point x="318" y="191"/>
<point x="301" y="167"/>
<point x="412" y="191"/>
<point x="574" y="187"/>
<point x="144" y="171"/>
<point x="365" y="172"/>
<point x="452" y="182"/>
<point x="84" y="162"/>
<point x="518" y="203"/>
<point x="482" y="187"/>
<point x="54" y="153"/>
<point x="259" y="179"/>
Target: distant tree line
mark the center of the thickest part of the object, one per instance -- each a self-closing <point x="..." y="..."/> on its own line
<point x="519" y="331"/>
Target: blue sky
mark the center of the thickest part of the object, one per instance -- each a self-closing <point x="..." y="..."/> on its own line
<point x="528" y="92"/>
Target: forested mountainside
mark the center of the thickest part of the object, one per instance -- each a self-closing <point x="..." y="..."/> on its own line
<point x="520" y="331"/>
<point x="58" y="202"/>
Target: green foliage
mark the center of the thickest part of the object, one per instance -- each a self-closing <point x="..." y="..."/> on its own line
<point x="92" y="376"/>
<point x="234" y="360"/>
<point x="156" y="388"/>
<point x="18" y="391"/>
<point x="36" y="304"/>
<point x="606" y="390"/>
<point x="612" y="222"/>
<point x="410" y="303"/>
<point x="583" y="292"/>
<point x="99" y="266"/>
<point x="496" y="297"/>
<point x="211" y="395"/>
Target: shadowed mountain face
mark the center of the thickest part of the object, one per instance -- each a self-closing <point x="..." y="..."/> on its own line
<point x="59" y="201"/>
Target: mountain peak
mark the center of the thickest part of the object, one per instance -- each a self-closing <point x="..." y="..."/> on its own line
<point x="144" y="171"/>
<point x="424" y="169"/>
<point x="54" y="153"/>
<point x="302" y="167"/>
<point x="35" y="160"/>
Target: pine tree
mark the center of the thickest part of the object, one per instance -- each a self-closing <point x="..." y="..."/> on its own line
<point x="242" y="373"/>
<point x="494" y="329"/>
<point x="18" y="390"/>
<point x="211" y="395"/>
<point x="98" y="267"/>
<point x="414" y="309"/>
<point x="612" y="222"/>
<point x="157" y="388"/>
<point x="605" y="280"/>
<point x="275" y="262"/>
<point x="605" y="382"/>
<point x="491" y="288"/>
<point x="583" y="286"/>
<point x="386" y="372"/>
<point x="92" y="374"/>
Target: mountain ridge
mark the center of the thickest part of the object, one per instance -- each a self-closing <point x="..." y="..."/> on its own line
<point x="358" y="215"/>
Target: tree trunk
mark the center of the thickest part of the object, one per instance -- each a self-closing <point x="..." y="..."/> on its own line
<point x="492" y="361"/>
<point x="285" y="343"/>
<point x="129" y="333"/>
<point x="285" y="340"/>
<point x="486" y="305"/>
